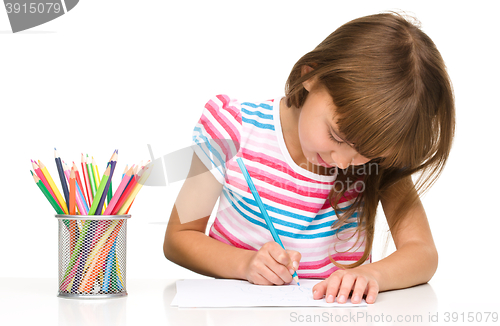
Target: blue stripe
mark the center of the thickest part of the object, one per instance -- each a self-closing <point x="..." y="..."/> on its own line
<point x="294" y="215"/>
<point x="210" y="148"/>
<point x="260" y="105"/>
<point x="259" y="114"/>
<point x="228" y="193"/>
<point x="257" y="124"/>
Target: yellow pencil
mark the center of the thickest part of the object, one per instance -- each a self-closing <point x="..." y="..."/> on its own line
<point x="98" y="180"/>
<point x="52" y="185"/>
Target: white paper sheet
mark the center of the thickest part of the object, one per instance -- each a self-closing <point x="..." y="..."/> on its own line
<point x="212" y="293"/>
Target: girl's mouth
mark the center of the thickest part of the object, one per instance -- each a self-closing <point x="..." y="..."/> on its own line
<point x="323" y="163"/>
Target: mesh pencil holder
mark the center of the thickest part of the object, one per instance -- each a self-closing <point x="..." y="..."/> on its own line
<point x="92" y="256"/>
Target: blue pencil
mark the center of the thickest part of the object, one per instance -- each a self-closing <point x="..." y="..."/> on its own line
<point x="60" y="171"/>
<point x="262" y="209"/>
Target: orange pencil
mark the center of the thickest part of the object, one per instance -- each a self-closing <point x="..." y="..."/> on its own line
<point x="72" y="192"/>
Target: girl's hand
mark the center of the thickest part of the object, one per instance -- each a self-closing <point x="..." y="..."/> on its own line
<point x="272" y="265"/>
<point x="360" y="280"/>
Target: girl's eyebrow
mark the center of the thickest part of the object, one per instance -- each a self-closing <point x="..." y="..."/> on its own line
<point x="337" y="134"/>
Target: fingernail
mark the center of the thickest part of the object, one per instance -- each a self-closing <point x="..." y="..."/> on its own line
<point x="291" y="271"/>
<point x="330" y="298"/>
<point x="369" y="299"/>
<point x="355" y="298"/>
<point x="314" y="293"/>
<point x="341" y="299"/>
<point x="295" y="265"/>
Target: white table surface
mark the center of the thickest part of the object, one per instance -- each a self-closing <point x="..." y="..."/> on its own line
<point x="25" y="301"/>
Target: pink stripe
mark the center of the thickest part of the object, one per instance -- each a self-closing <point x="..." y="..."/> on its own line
<point x="235" y="112"/>
<point x="227" y="125"/>
<point x="278" y="165"/>
<point x="283" y="200"/>
<point x="238" y="222"/>
<point x="215" y="135"/>
<point x="273" y="196"/>
<point x="355" y="256"/>
<point x="324" y="274"/>
<point x="266" y="144"/>
<point x="232" y="239"/>
<point x="322" y="243"/>
<point x="212" y="234"/>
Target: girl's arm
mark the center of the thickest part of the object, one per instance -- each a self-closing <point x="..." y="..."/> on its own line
<point x="414" y="261"/>
<point x="186" y="243"/>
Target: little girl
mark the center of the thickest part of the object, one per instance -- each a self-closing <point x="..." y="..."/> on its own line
<point x="368" y="108"/>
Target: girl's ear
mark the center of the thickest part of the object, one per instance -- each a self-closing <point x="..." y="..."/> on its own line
<point x="308" y="84"/>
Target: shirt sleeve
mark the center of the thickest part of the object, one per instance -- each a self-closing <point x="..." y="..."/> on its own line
<point x="216" y="136"/>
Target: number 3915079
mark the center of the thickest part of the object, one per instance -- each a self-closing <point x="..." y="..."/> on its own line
<point x="33" y="8"/>
<point x="471" y="317"/>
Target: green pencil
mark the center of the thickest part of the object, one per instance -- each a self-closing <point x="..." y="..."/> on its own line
<point x="90" y="172"/>
<point x="47" y="194"/>
<point x="100" y="191"/>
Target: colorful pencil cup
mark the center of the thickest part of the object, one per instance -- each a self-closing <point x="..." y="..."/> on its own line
<point x="92" y="256"/>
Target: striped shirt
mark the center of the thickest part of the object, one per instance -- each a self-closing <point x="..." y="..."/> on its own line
<point x="296" y="199"/>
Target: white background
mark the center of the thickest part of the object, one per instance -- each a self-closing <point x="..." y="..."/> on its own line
<point x="124" y="74"/>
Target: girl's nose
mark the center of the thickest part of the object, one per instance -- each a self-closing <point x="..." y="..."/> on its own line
<point x="343" y="162"/>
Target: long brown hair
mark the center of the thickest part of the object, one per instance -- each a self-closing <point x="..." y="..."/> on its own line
<point x="394" y="102"/>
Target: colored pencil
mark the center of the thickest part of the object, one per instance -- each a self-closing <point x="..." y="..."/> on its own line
<point x="90" y="172"/>
<point x="110" y="190"/>
<point x="97" y="177"/>
<point x="100" y="192"/>
<point x="72" y="193"/>
<point x="263" y="210"/>
<point x="102" y="200"/>
<point x="79" y="181"/>
<point x="118" y="192"/>
<point x="52" y="184"/>
<point x="80" y="199"/>
<point x="39" y="173"/>
<point x="100" y="255"/>
<point x="125" y="171"/>
<point x="137" y="187"/>
<point x="124" y="196"/>
<point x="80" y="185"/>
<point x="49" y="197"/>
<point x="62" y="177"/>
<point x="86" y="179"/>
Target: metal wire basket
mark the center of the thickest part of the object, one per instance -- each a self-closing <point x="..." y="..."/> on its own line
<point x="92" y="256"/>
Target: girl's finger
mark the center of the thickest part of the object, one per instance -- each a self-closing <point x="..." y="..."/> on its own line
<point x="275" y="272"/>
<point x="334" y="283"/>
<point x="372" y="294"/>
<point x="259" y="279"/>
<point x="345" y="288"/>
<point x="319" y="289"/>
<point x="359" y="289"/>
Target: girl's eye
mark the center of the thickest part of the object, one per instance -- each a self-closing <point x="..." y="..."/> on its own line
<point x="335" y="140"/>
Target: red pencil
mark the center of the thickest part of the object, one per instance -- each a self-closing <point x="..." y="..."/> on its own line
<point x="39" y="173"/>
<point x="72" y="193"/>
<point x="77" y="175"/>
<point x="86" y="179"/>
<point x="124" y="196"/>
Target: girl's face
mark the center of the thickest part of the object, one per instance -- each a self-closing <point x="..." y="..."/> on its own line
<point x="321" y="142"/>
